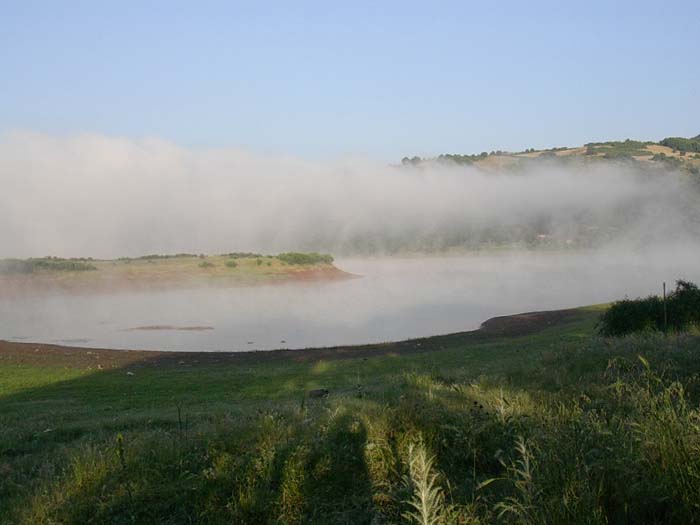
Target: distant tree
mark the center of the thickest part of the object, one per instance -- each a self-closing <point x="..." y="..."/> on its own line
<point x="682" y="144"/>
<point x="413" y="161"/>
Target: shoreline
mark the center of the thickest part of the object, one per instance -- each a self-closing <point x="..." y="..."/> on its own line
<point x="45" y="354"/>
<point x="14" y="287"/>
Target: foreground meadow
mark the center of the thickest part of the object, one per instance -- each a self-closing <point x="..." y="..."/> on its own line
<point x="533" y="420"/>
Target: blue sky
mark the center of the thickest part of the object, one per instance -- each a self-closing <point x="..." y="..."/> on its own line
<point x="327" y="79"/>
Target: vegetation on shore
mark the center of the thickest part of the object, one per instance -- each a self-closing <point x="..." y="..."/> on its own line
<point x="47" y="264"/>
<point x="555" y="425"/>
<point x="20" y="276"/>
<point x="305" y="258"/>
<point x="58" y="264"/>
<point x="679" y="312"/>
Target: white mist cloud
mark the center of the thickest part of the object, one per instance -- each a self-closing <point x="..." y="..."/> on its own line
<point x="92" y="195"/>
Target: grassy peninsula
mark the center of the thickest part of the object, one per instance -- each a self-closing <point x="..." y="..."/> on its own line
<point x="18" y="276"/>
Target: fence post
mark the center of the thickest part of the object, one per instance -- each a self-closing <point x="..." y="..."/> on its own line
<point x="665" y="314"/>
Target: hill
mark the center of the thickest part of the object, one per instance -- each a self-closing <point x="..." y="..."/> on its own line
<point x="672" y="152"/>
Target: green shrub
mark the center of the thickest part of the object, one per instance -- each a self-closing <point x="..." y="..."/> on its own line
<point x="640" y="315"/>
<point x="632" y="315"/>
<point x="231" y="264"/>
<point x="242" y="255"/>
<point x="157" y="256"/>
<point x="619" y="149"/>
<point x="206" y="264"/>
<point x="682" y="144"/>
<point x="14" y="266"/>
<point x="305" y="258"/>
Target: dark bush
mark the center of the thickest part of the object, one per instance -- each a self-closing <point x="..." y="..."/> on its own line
<point x="206" y="264"/>
<point x="684" y="306"/>
<point x="242" y="255"/>
<point x="640" y="315"/>
<point x="231" y="264"/>
<point x="157" y="256"/>
<point x="632" y="315"/>
<point x="682" y="144"/>
<point x="305" y="258"/>
<point x="10" y="266"/>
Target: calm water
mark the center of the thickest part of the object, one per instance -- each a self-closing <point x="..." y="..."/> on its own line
<point x="397" y="298"/>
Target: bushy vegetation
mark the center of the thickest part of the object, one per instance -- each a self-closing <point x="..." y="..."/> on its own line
<point x="462" y="159"/>
<point x="11" y="266"/>
<point x="612" y="150"/>
<point x="56" y="264"/>
<point x="682" y="144"/>
<point x="412" y="161"/>
<point x="550" y="428"/>
<point x="158" y="256"/>
<point x="242" y="255"/>
<point x="618" y="149"/>
<point x="231" y="264"/>
<point x="682" y="311"/>
<point x="305" y="258"/>
<point x="206" y="264"/>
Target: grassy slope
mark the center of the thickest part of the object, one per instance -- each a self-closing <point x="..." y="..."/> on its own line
<point x="560" y="425"/>
<point x="644" y="152"/>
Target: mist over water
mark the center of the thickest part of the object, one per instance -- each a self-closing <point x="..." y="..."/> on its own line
<point x="586" y="232"/>
<point x="397" y="298"/>
<point x="108" y="197"/>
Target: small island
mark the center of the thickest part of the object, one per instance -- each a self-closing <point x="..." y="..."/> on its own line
<point x="35" y="275"/>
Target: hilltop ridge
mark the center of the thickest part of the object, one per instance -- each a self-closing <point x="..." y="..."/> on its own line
<point x="678" y="153"/>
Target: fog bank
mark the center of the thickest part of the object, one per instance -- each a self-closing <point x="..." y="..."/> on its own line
<point x="92" y="195"/>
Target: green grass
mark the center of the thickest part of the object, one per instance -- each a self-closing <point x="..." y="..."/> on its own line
<point x="557" y="426"/>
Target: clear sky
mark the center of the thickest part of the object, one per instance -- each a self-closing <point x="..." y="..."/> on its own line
<point x="379" y="79"/>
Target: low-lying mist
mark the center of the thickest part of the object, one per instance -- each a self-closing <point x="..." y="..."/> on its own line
<point x="100" y="196"/>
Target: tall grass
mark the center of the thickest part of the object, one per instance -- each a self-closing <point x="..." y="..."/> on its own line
<point x="594" y="431"/>
<point x="428" y="499"/>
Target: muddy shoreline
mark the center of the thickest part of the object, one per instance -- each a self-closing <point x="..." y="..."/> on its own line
<point x="39" y="354"/>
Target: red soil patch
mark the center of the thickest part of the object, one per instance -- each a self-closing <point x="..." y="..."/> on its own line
<point x="19" y="286"/>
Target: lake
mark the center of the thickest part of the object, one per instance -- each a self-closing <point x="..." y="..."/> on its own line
<point x="396" y="298"/>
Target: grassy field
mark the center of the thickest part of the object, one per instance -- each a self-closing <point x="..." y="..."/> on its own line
<point x="535" y="423"/>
